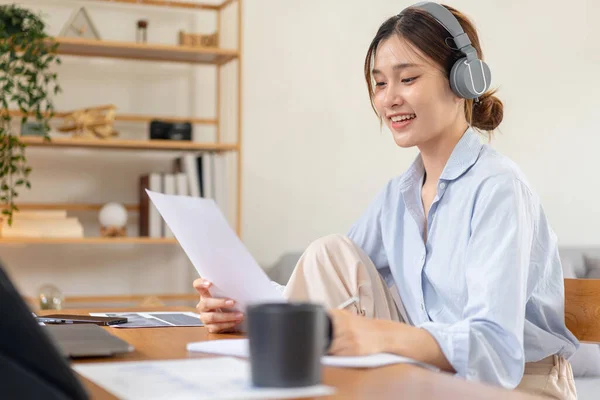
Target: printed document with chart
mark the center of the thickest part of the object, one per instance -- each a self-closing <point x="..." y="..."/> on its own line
<point x="219" y="378"/>
<point x="215" y="250"/>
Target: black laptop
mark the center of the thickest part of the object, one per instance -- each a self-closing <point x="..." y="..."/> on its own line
<point x="31" y="365"/>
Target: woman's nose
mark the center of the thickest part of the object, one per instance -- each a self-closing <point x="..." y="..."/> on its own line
<point x="392" y="97"/>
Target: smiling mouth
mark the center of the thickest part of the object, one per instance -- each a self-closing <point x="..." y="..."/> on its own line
<point x="402" y="118"/>
<point x="401" y="122"/>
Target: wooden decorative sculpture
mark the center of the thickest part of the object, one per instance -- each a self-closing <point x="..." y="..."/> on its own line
<point x="91" y="122"/>
<point x="198" y="40"/>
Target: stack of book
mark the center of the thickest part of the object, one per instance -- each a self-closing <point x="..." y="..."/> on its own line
<point x="41" y="224"/>
<point x="193" y="175"/>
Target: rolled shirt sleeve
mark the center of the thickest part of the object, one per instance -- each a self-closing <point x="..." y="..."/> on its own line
<point x="487" y="343"/>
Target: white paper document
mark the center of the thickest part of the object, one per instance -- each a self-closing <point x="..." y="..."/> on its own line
<point x="239" y="348"/>
<point x="215" y="250"/>
<point x="187" y="379"/>
<point x="154" y="319"/>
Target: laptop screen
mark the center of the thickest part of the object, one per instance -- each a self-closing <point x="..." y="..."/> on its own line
<point x="30" y="365"/>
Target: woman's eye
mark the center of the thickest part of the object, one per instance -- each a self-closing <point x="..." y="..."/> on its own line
<point x="379" y="83"/>
<point x="409" y="80"/>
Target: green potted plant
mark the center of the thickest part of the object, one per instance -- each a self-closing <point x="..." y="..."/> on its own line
<point x="27" y="82"/>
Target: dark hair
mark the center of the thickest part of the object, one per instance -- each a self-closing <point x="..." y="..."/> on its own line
<point x="425" y="33"/>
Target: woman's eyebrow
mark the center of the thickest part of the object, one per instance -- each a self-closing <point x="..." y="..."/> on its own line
<point x="397" y="67"/>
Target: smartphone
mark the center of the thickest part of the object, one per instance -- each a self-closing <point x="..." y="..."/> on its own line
<point x="80" y="319"/>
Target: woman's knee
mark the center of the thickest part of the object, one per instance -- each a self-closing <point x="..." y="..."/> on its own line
<point x="328" y="244"/>
<point x="333" y="251"/>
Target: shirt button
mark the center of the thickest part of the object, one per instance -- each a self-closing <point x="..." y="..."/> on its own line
<point x="422" y="306"/>
<point x="442" y="185"/>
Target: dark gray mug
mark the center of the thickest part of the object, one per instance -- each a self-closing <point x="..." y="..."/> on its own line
<point x="287" y="341"/>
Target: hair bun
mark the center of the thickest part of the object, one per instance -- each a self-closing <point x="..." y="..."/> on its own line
<point x="488" y="112"/>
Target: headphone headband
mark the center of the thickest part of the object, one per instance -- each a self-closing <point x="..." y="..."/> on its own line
<point x="445" y="19"/>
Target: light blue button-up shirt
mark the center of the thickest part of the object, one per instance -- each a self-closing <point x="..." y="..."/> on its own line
<point x="487" y="283"/>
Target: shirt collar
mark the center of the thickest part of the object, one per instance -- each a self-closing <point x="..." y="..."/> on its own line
<point x="413" y="174"/>
<point x="463" y="156"/>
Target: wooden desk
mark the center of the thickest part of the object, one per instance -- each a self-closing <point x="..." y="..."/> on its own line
<point x="392" y="382"/>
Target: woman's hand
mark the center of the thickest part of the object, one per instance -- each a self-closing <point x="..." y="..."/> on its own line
<point x="354" y="335"/>
<point x="213" y="311"/>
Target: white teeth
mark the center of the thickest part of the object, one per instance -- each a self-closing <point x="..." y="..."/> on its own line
<point x="398" y="118"/>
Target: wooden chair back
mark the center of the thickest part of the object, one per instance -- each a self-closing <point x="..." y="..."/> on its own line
<point x="582" y="308"/>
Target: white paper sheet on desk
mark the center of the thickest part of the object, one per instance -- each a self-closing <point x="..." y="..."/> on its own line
<point x="215" y="250"/>
<point x="187" y="379"/>
<point x="239" y="348"/>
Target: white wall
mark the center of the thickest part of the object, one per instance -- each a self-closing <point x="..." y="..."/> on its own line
<point x="314" y="155"/>
<point x="306" y="96"/>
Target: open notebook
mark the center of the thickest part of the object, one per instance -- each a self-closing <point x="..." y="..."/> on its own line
<point x="239" y="348"/>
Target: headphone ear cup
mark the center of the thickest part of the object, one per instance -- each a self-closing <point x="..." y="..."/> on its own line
<point x="462" y="79"/>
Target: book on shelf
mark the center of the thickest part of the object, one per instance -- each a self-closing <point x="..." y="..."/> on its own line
<point x="174" y="184"/>
<point x="150" y="221"/>
<point x="220" y="182"/>
<point x="203" y="175"/>
<point x="41" y="224"/>
<point x="187" y="166"/>
<point x="168" y="188"/>
<point x="207" y="177"/>
<point x="181" y="184"/>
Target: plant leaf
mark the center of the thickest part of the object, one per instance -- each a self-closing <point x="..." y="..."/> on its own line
<point x="28" y="82"/>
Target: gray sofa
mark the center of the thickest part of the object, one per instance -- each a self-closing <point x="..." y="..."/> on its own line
<point x="578" y="262"/>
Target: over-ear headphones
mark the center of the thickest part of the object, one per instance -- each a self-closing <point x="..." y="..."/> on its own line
<point x="469" y="77"/>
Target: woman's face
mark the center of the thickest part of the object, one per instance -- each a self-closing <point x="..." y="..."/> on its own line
<point x="412" y="94"/>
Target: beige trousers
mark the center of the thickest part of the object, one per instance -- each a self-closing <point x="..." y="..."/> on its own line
<point x="334" y="271"/>
<point x="551" y="376"/>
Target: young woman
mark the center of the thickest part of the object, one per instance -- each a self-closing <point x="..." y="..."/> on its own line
<point x="454" y="262"/>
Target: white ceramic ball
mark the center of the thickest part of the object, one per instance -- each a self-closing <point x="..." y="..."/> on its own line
<point x="113" y="215"/>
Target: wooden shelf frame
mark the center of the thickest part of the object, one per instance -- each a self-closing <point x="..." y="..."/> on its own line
<point x="71" y="206"/>
<point x="147" y="52"/>
<point x="132" y="117"/>
<point x="215" y="56"/>
<point x="87" y="240"/>
<point x="172" y="4"/>
<point x="144" y="51"/>
<point x="239" y="116"/>
<point x="123" y="144"/>
<point x="157" y="52"/>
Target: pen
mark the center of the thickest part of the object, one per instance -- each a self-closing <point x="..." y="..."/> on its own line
<point x="345" y="304"/>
